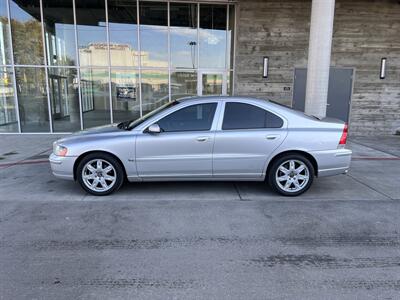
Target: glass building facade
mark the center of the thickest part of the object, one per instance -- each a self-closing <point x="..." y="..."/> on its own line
<point x="68" y="65"/>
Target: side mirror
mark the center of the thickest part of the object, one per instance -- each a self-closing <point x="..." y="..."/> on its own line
<point x="154" y="128"/>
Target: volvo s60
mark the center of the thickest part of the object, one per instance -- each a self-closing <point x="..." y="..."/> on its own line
<point x="211" y="138"/>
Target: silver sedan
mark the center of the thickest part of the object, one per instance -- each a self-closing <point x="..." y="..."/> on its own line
<point x="213" y="138"/>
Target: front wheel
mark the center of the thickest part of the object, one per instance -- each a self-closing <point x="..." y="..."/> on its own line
<point x="291" y="175"/>
<point x="100" y="174"/>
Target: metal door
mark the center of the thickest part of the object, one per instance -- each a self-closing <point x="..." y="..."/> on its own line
<point x="176" y="154"/>
<point x="339" y="92"/>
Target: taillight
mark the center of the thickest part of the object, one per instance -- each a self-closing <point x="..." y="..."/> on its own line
<point x="343" y="138"/>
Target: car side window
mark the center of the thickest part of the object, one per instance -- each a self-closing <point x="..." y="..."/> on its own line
<point x="247" y="116"/>
<point x="197" y="117"/>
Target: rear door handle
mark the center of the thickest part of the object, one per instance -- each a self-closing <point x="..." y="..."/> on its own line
<point x="202" y="138"/>
<point x="272" y="136"/>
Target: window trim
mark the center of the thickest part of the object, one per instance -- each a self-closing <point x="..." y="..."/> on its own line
<point x="250" y="129"/>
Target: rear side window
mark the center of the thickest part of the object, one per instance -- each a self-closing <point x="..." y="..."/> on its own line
<point x="197" y="117"/>
<point x="246" y="116"/>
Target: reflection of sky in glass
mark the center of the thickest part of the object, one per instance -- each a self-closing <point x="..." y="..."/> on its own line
<point x="183" y="54"/>
<point x="123" y="34"/>
<point x="18" y="13"/>
<point x="91" y="34"/>
<point x="212" y="48"/>
<point x="154" y="41"/>
<point x="66" y="33"/>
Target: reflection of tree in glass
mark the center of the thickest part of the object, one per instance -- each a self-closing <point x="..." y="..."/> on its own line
<point x="27" y="42"/>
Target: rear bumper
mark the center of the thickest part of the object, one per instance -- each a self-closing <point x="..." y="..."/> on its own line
<point x="62" y="167"/>
<point x="332" y="162"/>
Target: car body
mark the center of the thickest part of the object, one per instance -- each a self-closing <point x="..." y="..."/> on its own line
<point x="208" y="138"/>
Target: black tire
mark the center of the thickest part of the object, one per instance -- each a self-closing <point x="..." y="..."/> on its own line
<point x="119" y="172"/>
<point x="272" y="177"/>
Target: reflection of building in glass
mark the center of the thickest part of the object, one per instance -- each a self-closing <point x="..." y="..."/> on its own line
<point x="95" y="54"/>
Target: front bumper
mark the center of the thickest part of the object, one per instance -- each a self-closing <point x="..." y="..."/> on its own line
<point x="332" y="162"/>
<point x="62" y="166"/>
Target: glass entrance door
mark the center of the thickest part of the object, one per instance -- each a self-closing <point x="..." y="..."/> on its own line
<point x="211" y="83"/>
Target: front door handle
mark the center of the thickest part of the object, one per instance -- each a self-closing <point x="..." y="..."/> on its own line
<point x="202" y="138"/>
<point x="272" y="136"/>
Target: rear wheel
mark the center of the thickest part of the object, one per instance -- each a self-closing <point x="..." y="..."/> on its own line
<point x="100" y="174"/>
<point x="291" y="175"/>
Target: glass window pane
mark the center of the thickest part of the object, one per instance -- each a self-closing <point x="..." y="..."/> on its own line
<point x="246" y="116"/>
<point x="32" y="99"/>
<point x="5" y="46"/>
<point x="154" y="89"/>
<point x="192" y="118"/>
<point x="92" y="37"/>
<point x="26" y="32"/>
<point x="59" y="32"/>
<point x="154" y="34"/>
<point x="183" y="84"/>
<point x="8" y="112"/>
<point x="124" y="91"/>
<point x="64" y="99"/>
<point x="183" y="30"/>
<point x="95" y="97"/>
<point x="212" y="84"/>
<point x="122" y="18"/>
<point x="212" y="36"/>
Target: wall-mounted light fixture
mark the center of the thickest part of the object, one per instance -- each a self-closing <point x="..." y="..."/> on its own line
<point x="265" y="66"/>
<point x="382" y="74"/>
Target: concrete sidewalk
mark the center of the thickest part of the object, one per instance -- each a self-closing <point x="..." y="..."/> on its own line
<point x="25" y="174"/>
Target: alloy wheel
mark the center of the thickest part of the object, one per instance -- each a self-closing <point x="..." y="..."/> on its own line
<point x="292" y="176"/>
<point x="99" y="175"/>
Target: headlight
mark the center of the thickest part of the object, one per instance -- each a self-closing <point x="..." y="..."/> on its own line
<point x="60" y="150"/>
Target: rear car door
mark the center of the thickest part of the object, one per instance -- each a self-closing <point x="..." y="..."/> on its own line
<point x="183" y="148"/>
<point x="247" y="136"/>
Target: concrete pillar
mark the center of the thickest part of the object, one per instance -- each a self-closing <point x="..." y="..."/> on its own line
<point x="319" y="57"/>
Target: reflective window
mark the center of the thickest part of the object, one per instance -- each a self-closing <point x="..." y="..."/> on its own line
<point x="95" y="97"/>
<point x="212" y="36"/>
<point x="246" y="116"/>
<point x="183" y="84"/>
<point x="154" y="89"/>
<point x="183" y="31"/>
<point x="64" y="99"/>
<point x="154" y="33"/>
<point x="125" y="95"/>
<point x="192" y="118"/>
<point x="5" y="47"/>
<point x="26" y="32"/>
<point x="92" y="37"/>
<point x="32" y="99"/>
<point x="59" y="32"/>
<point x="122" y="18"/>
<point x="212" y="84"/>
<point x="8" y="112"/>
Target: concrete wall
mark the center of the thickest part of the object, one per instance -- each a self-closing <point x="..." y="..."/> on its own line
<point x="364" y="32"/>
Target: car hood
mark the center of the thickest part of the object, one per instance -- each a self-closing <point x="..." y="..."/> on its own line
<point x="98" y="130"/>
<point x="94" y="133"/>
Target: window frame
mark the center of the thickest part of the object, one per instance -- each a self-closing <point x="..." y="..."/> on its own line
<point x="154" y="120"/>
<point x="221" y="123"/>
<point x="188" y="106"/>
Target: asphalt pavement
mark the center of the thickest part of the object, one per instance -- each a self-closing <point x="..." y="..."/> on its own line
<point x="220" y="240"/>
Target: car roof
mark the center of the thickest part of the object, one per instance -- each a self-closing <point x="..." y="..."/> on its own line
<point x="263" y="102"/>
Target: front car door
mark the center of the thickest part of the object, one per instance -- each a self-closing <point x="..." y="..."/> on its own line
<point x="184" y="147"/>
<point x="246" y="136"/>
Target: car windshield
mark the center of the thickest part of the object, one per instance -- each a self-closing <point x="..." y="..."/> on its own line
<point x="128" y="125"/>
